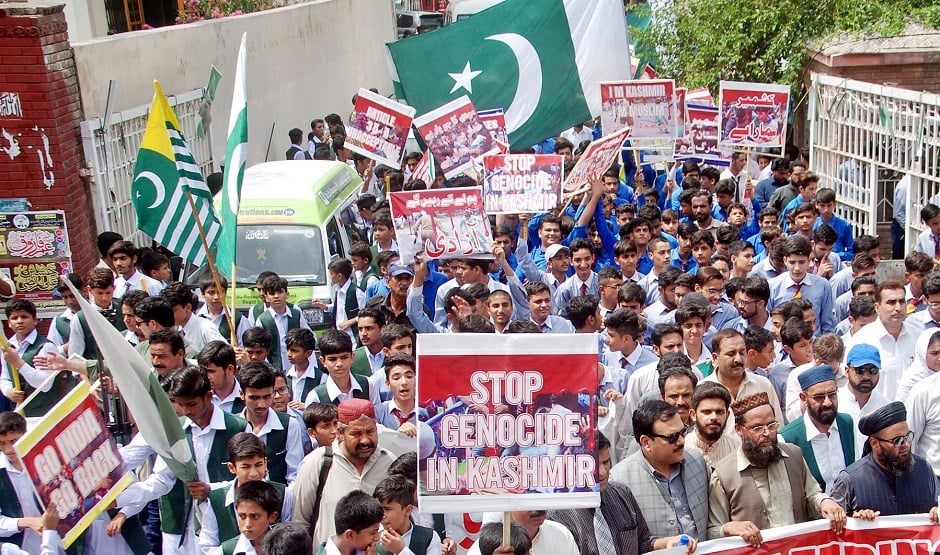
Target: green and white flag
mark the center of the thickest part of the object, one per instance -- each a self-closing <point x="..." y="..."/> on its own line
<point x="164" y="172"/>
<point x="541" y="61"/>
<point x="236" y="155"/>
<point x="156" y="420"/>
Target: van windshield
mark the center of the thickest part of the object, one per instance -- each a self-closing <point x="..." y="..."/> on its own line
<point x="294" y="252"/>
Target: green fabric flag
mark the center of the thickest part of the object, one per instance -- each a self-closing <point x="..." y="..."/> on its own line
<point x="156" y="420"/>
<point x="541" y="61"/>
<point x="164" y="173"/>
<point x="236" y="154"/>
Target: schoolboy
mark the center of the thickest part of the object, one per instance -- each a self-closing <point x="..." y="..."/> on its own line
<point x="281" y="434"/>
<point x="288" y="538"/>
<point x="61" y="324"/>
<point x="609" y="283"/>
<point x="500" y="309"/>
<point x="703" y="247"/>
<point x="797" y="338"/>
<point x="134" y="335"/>
<point x="928" y="242"/>
<point x="916" y="267"/>
<point x="213" y="309"/>
<point x="347" y="299"/>
<point x="380" y="286"/>
<point x="626" y="257"/>
<point x="806" y="186"/>
<point x="100" y="284"/>
<point x="19" y="506"/>
<point x="261" y="305"/>
<point x="154" y="265"/>
<point x="279" y="319"/>
<point x="540" y="310"/>
<point x="825" y="208"/>
<point x="197" y="331"/>
<point x="218" y="360"/>
<point x="584" y="280"/>
<point x="257" y="346"/>
<point x="123" y="255"/>
<point x="336" y="356"/>
<point x="191" y="394"/>
<point x="322" y="423"/>
<point x="681" y="257"/>
<point x="357" y="518"/>
<point x="624" y="337"/>
<point x="383" y="233"/>
<point x="804" y="216"/>
<point x="247" y="460"/>
<point x="401" y="411"/>
<point x="742" y="258"/>
<point x="257" y="506"/>
<point x="399" y="535"/>
<point x="640" y="232"/>
<point x="661" y="310"/>
<point x="824" y="263"/>
<point x="25" y="344"/>
<point x="368" y="359"/>
<point x="660" y="253"/>
<point x="797" y="283"/>
<point x="304" y="374"/>
<point x="360" y="255"/>
<point x="694" y="319"/>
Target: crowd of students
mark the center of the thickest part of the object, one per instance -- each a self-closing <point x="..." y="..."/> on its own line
<point x="714" y="318"/>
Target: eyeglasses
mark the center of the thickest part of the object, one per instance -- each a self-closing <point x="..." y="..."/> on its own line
<point x="867" y="369"/>
<point x="712" y="291"/>
<point x="898" y="441"/>
<point x="933" y="304"/>
<point x="282" y="391"/>
<point x="744" y="302"/>
<point x="821" y="397"/>
<point x="761" y="429"/>
<point x="673" y="437"/>
<point x="611" y="286"/>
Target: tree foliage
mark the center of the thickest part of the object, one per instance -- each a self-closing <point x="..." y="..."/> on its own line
<point x="701" y="42"/>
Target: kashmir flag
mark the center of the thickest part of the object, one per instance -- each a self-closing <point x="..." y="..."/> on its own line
<point x="156" y="420"/>
<point x="164" y="172"/>
<point x="541" y="61"/>
<point x="236" y="154"/>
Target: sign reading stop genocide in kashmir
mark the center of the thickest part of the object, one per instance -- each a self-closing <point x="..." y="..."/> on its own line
<point x="514" y="426"/>
<point x="74" y="462"/>
<point x="519" y="183"/>
<point x="378" y="128"/>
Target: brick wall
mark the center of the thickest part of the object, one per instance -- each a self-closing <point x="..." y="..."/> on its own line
<point x="38" y="69"/>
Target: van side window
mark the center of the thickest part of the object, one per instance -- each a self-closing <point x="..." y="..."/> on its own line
<point x="334" y="239"/>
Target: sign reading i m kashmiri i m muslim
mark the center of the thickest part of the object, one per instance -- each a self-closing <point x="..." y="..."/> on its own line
<point x="541" y="61"/>
<point x="514" y="427"/>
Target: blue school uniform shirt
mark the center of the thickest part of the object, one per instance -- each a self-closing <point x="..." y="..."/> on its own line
<point x="815" y="289"/>
<point x="845" y="244"/>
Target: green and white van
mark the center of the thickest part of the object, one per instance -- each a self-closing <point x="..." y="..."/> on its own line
<point x="292" y="220"/>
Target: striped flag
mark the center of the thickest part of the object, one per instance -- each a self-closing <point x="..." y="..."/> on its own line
<point x="424" y="170"/>
<point x="164" y="172"/>
<point x="153" y="413"/>
<point x="236" y="154"/>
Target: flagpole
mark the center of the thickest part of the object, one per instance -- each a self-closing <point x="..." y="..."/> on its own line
<point x="211" y="261"/>
<point x="232" y="330"/>
<point x="14" y="371"/>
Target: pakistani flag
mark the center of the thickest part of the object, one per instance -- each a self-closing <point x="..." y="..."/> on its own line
<point x="541" y="61"/>
<point x="155" y="417"/>
<point x="236" y="154"/>
<point x="164" y="173"/>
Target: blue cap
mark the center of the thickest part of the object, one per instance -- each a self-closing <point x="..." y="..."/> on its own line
<point x="863" y="354"/>
<point x="815" y="375"/>
<point x="398" y="269"/>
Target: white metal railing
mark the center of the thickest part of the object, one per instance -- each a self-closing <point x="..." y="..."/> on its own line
<point x="864" y="138"/>
<point x="111" y="153"/>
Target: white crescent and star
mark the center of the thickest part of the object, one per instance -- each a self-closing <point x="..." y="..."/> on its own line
<point x="530" y="78"/>
<point x="158" y="187"/>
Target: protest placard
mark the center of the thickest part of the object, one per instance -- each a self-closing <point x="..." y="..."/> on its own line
<point x="519" y="183"/>
<point x="886" y="535"/>
<point x="753" y="115"/>
<point x="597" y="158"/>
<point x="456" y="135"/>
<point x="514" y="426"/>
<point x="34" y="252"/>
<point x="701" y="142"/>
<point x="378" y="128"/>
<point x="74" y="462"/>
<point x="440" y="223"/>
<point x="682" y="114"/>
<point x="495" y="122"/>
<point x="647" y="106"/>
<point x="701" y="97"/>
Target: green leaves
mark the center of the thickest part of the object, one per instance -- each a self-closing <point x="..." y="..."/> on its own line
<point x="700" y="42"/>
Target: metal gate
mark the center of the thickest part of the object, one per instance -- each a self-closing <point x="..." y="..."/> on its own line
<point x="111" y="153"/>
<point x="863" y="139"/>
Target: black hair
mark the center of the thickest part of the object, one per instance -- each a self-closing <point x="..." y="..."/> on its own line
<point x="357" y="511"/>
<point x="335" y="342"/>
<point x="244" y="445"/>
<point x="582" y="308"/>
<point x="648" y="413"/>
<point x="168" y="336"/>
<point x="288" y="538"/>
<point x="316" y="413"/>
<point x="396" y="490"/>
<point x="12" y="422"/>
<point x="257" y="337"/>
<point x="261" y="493"/>
<point x="491" y="538"/>
<point x="256" y="374"/>
<point x="156" y="309"/>
<point x="24" y="305"/>
<point x="178" y="294"/>
<point x="189" y="382"/>
<point x="301" y="337"/>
